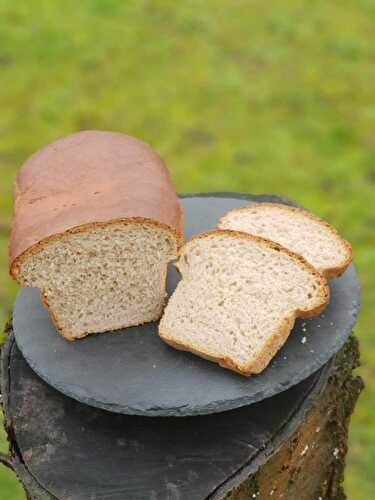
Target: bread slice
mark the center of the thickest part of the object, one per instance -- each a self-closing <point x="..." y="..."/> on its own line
<point x="295" y="229"/>
<point x="238" y="299"/>
<point x="97" y="219"/>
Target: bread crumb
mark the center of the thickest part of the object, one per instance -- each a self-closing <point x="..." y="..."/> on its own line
<point x="317" y="429"/>
<point x="336" y="453"/>
<point x="304" y="451"/>
<point x="303" y="340"/>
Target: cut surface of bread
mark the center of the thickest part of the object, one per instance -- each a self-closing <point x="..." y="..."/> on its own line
<point x="102" y="276"/>
<point x="238" y="299"/>
<point x="295" y="229"/>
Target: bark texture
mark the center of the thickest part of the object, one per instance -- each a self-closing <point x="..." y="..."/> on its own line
<point x="310" y="465"/>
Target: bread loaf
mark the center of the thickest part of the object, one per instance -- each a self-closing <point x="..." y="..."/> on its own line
<point x="238" y="299"/>
<point x="96" y="221"/>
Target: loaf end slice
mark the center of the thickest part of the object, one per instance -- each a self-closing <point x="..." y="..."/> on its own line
<point x="238" y="299"/>
<point x="295" y="229"/>
<point x="101" y="276"/>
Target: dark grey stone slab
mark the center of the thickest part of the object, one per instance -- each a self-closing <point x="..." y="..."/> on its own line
<point x="132" y="371"/>
<point x="76" y="452"/>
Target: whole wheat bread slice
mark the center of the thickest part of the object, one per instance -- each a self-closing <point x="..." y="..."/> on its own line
<point x="238" y="299"/>
<point x="295" y="229"/>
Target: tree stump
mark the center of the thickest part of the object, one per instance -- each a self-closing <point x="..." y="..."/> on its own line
<point x="290" y="446"/>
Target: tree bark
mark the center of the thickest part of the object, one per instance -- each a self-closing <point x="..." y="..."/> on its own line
<point x="310" y="465"/>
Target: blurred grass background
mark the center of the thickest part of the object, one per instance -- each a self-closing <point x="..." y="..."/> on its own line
<point x="238" y="95"/>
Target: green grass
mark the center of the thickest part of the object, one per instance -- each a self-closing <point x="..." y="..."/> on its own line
<point x="235" y="95"/>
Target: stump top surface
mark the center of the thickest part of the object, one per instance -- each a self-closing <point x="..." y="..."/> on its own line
<point x="72" y="451"/>
<point x="132" y="371"/>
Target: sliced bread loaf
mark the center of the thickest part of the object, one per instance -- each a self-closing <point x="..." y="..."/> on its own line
<point x="295" y="229"/>
<point x="96" y="221"/>
<point x="238" y="299"/>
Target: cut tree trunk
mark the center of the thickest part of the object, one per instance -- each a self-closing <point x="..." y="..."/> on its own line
<point x="302" y="460"/>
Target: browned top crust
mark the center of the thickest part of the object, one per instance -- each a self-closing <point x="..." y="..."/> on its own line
<point x="90" y="177"/>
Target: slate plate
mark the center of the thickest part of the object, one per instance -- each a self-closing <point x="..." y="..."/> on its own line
<point x="76" y="452"/>
<point x="132" y="371"/>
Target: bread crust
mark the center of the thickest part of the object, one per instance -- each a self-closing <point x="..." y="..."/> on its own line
<point x="329" y="272"/>
<point x="90" y="178"/>
<point x="281" y="334"/>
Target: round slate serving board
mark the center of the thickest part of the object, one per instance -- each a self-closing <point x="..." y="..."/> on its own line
<point x="132" y="371"/>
